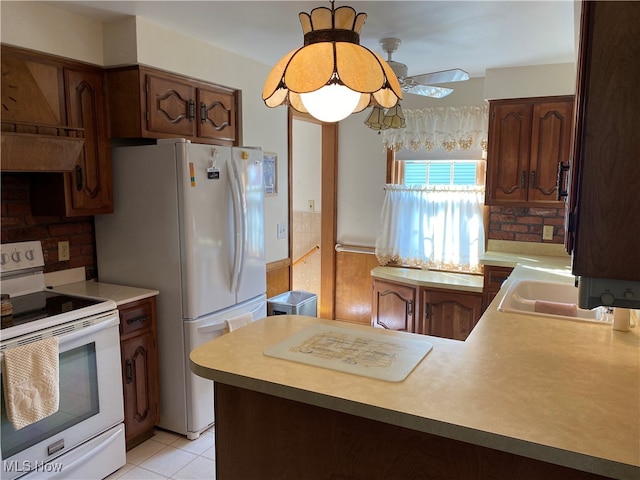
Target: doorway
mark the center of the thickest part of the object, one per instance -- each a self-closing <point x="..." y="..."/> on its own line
<point x="313" y="147"/>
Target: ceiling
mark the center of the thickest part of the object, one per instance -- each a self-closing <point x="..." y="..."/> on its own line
<point x="472" y="35"/>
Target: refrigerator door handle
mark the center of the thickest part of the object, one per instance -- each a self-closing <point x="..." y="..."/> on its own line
<point x="239" y="232"/>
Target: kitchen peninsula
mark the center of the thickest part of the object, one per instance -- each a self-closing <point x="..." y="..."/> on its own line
<point x="523" y="397"/>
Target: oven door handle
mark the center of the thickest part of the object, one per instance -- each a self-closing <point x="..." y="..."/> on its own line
<point x="64" y="333"/>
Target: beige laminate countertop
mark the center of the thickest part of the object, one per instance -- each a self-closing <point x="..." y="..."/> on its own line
<point x="430" y="278"/>
<point x="120" y="294"/>
<point x="560" y="391"/>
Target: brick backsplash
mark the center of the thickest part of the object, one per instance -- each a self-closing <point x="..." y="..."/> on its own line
<point x="524" y="224"/>
<point x="19" y="225"/>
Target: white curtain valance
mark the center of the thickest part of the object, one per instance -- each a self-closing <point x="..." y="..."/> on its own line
<point x="448" y="128"/>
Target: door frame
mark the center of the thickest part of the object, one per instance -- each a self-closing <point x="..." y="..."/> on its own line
<point x="328" y="217"/>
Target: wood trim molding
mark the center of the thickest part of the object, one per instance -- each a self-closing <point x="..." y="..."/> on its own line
<point x="278" y="264"/>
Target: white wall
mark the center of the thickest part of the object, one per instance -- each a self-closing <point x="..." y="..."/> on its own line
<point x="363" y="164"/>
<point x="532" y="81"/>
<point x="47" y="29"/>
<point x="307" y="165"/>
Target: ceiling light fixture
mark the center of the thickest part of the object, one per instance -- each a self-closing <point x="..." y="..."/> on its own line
<point x="332" y="76"/>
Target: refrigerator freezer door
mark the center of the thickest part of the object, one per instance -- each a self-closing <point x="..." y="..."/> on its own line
<point x="252" y="277"/>
<point x="200" y="390"/>
<point x="207" y="229"/>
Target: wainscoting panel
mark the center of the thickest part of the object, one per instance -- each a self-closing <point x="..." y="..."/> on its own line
<point x="278" y="277"/>
<point x="353" y="286"/>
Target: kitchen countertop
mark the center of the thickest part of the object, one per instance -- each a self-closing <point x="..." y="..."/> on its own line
<point x="560" y="391"/>
<point x="120" y="294"/>
<point x="430" y="278"/>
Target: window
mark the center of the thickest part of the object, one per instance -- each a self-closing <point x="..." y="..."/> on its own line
<point x="432" y="216"/>
<point x="437" y="172"/>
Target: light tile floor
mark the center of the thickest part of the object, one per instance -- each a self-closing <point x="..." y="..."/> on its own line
<point x="167" y="455"/>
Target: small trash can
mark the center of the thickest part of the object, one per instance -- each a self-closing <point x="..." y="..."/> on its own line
<point x="296" y="302"/>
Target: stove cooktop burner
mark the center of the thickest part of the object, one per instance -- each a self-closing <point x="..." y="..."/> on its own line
<point x="44" y="304"/>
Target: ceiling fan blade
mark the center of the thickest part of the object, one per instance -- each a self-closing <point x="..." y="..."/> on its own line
<point x="445" y="76"/>
<point x="427" y="90"/>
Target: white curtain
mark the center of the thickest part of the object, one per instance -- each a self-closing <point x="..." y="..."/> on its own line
<point x="447" y="128"/>
<point x="432" y="227"/>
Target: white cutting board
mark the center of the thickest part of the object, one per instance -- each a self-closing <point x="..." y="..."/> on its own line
<point x="369" y="354"/>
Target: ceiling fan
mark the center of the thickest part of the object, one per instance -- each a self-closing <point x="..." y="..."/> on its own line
<point x="421" y="84"/>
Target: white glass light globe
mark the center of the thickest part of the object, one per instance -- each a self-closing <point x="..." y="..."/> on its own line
<point x="331" y="103"/>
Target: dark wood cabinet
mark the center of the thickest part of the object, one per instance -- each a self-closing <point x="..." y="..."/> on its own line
<point x="139" y="351"/>
<point x="89" y="188"/>
<point x="527" y="139"/>
<point x="448" y="314"/>
<point x="60" y="105"/>
<point x="494" y="277"/>
<point x="394" y="305"/>
<point x="603" y="219"/>
<point x="441" y="313"/>
<point x="151" y="103"/>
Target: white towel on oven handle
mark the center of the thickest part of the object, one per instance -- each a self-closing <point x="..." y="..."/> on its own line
<point x="31" y="381"/>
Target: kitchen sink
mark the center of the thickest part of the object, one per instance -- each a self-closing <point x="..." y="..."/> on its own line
<point x="550" y="299"/>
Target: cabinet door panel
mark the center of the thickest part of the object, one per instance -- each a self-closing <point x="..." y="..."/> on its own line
<point x="551" y="136"/>
<point x="89" y="189"/>
<point x="140" y="390"/>
<point x="393" y="306"/>
<point x="508" y="155"/>
<point x="170" y="105"/>
<point x="217" y="115"/>
<point x="450" y="314"/>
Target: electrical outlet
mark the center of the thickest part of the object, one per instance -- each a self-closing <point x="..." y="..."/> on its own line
<point x="547" y="232"/>
<point x="311" y="206"/>
<point x="63" y="251"/>
<point x="282" y="230"/>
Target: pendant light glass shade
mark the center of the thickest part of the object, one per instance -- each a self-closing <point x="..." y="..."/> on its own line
<point x="332" y="75"/>
<point x="394" y="118"/>
<point x="375" y="119"/>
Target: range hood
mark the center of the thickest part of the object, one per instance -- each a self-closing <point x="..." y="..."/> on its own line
<point x="595" y="292"/>
<point x="40" y="148"/>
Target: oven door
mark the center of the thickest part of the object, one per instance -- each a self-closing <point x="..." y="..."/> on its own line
<point x="90" y="396"/>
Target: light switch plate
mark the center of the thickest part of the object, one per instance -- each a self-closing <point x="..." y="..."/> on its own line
<point x="547" y="232"/>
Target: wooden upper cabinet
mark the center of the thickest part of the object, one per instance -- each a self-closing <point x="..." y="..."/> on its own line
<point x="527" y="140"/>
<point x="150" y="103"/>
<point x="170" y="105"/>
<point x="604" y="197"/>
<point x="216" y="114"/>
<point x="51" y="101"/>
<point x="89" y="187"/>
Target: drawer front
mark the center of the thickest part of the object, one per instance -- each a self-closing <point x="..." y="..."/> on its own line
<point x="136" y="316"/>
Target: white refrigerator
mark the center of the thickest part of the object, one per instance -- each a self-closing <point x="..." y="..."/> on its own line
<point x="188" y="221"/>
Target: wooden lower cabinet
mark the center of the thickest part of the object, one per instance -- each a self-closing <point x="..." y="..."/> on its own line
<point x="408" y="308"/>
<point x="393" y="306"/>
<point x="448" y="314"/>
<point x="494" y="277"/>
<point x="139" y="352"/>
